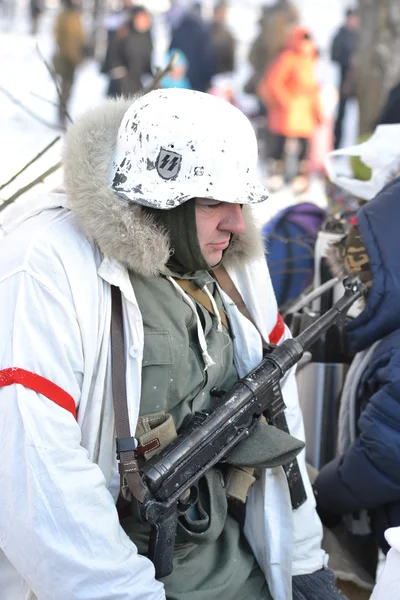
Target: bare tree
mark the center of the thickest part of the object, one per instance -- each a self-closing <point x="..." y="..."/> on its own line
<point x="379" y="57"/>
<point x="160" y="73"/>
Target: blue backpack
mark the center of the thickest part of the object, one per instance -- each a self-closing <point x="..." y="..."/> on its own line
<point x="289" y="239"/>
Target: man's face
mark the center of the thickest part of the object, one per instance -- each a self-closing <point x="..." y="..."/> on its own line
<point x="142" y="21"/>
<point x="216" y="222"/>
<point x="353" y="22"/>
<point x="220" y="14"/>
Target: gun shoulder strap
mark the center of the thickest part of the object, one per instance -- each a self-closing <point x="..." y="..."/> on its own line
<point x="131" y="482"/>
<point x="297" y="491"/>
<point x="227" y="285"/>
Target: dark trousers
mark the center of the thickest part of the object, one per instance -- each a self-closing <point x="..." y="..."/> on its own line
<point x="277" y="147"/>
<point x="339" y="119"/>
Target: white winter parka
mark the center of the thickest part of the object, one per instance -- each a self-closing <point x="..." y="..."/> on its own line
<point x="60" y="538"/>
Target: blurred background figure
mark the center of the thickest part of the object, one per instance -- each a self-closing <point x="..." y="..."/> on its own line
<point x="177" y="76"/>
<point x="390" y="113"/>
<point x="291" y="94"/>
<point x="36" y="8"/>
<point x="276" y="23"/>
<point x="224" y="51"/>
<point x="135" y="50"/>
<point x="113" y="63"/>
<point x="222" y="40"/>
<point x="7" y="10"/>
<point x="70" y="51"/>
<point x="343" y="52"/>
<point x="191" y="35"/>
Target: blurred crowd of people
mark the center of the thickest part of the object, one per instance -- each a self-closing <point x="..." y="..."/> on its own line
<point x="344" y="53"/>
<point x="198" y="49"/>
<point x="297" y="126"/>
<point x="202" y="55"/>
<point x="294" y="127"/>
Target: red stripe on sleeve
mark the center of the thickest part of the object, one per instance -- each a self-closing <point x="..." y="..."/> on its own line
<point x="278" y="330"/>
<point x="38" y="384"/>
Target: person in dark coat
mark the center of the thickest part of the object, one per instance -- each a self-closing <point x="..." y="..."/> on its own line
<point x="343" y="52"/>
<point x="276" y="23"/>
<point x="36" y="8"/>
<point x="191" y="35"/>
<point x="390" y="114"/>
<point x="367" y="474"/>
<point x="113" y="64"/>
<point x="223" y="42"/>
<point x="136" y="51"/>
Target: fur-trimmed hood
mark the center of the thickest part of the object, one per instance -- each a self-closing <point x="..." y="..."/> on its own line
<point x="122" y="229"/>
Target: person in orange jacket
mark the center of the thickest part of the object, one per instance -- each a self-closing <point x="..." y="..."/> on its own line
<point x="290" y="92"/>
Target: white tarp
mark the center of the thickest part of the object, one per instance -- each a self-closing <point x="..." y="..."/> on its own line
<point x="381" y="153"/>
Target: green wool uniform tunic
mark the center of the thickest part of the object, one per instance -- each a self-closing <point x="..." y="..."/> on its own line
<point x="212" y="559"/>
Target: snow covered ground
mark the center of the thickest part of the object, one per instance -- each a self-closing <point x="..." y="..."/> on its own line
<point x="24" y="75"/>
<point x="28" y="123"/>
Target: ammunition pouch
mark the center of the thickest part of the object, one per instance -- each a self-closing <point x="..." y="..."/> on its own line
<point x="153" y="433"/>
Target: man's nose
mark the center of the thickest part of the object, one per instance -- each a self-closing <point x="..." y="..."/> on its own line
<point x="233" y="220"/>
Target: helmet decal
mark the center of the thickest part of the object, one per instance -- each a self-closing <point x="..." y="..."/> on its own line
<point x="177" y="144"/>
<point x="168" y="163"/>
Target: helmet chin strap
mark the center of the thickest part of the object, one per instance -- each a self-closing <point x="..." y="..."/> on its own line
<point x="180" y="223"/>
<point x="187" y="259"/>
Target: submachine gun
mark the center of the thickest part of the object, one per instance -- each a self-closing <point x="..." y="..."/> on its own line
<point x="171" y="477"/>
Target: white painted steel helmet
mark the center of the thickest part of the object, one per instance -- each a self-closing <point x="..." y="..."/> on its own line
<point x="177" y="144"/>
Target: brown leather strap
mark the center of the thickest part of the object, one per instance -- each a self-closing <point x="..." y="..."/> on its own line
<point x="126" y="444"/>
<point x="201" y="297"/>
<point x="226" y="283"/>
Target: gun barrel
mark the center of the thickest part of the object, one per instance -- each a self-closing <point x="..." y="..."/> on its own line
<point x="242" y="403"/>
<point x="354" y="290"/>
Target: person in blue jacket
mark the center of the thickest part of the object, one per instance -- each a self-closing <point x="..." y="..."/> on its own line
<point x="366" y="474"/>
<point x="176" y="77"/>
<point x="191" y="35"/>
